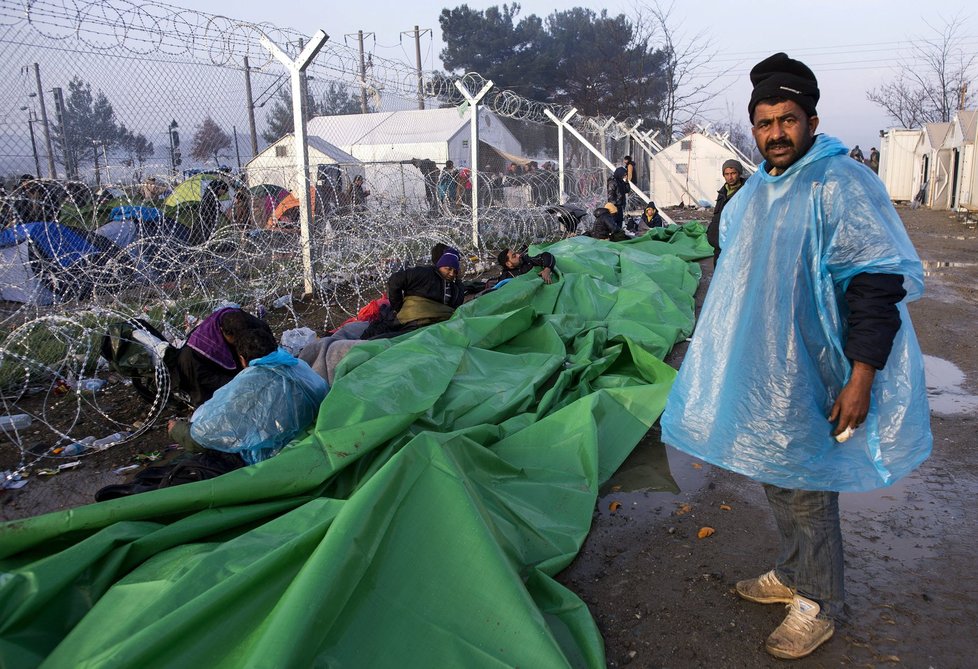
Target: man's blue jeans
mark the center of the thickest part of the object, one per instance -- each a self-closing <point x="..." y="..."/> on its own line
<point x="811" y="559"/>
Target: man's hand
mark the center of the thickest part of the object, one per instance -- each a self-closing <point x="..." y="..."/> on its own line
<point x="169" y="425"/>
<point x="852" y="405"/>
<point x="546" y="275"/>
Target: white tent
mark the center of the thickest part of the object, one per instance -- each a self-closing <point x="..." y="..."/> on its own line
<point x="385" y="141"/>
<point x="689" y="171"/>
<point x="965" y="133"/>
<point x="276" y="164"/>
<point x="900" y="163"/>
<point x="937" y="164"/>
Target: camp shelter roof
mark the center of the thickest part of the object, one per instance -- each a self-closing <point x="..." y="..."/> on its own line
<point x="936" y="133"/>
<point x="414" y="126"/>
<point x="968" y="121"/>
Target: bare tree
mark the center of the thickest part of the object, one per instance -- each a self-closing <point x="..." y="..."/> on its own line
<point x="932" y="79"/>
<point x="692" y="82"/>
<point x="208" y="141"/>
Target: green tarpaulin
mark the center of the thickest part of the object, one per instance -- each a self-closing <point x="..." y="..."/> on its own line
<point x="450" y="474"/>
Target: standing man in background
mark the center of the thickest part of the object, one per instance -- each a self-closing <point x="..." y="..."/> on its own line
<point x="733" y="179"/>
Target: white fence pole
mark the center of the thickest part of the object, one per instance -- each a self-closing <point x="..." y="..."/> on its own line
<point x="474" y="149"/>
<point x="296" y="68"/>
<point x="560" y="153"/>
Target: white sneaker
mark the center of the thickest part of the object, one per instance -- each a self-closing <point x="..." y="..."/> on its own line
<point x="765" y="589"/>
<point x="801" y="632"/>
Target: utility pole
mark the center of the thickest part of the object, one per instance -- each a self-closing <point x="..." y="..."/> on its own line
<point x="44" y="120"/>
<point x="363" y="73"/>
<point x="70" y="152"/>
<point x="237" y="152"/>
<point x="417" y="56"/>
<point x="961" y="100"/>
<point x="30" y="126"/>
<point x="251" y="110"/>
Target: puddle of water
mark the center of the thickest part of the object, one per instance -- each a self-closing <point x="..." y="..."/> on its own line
<point x="652" y="478"/>
<point x="892" y="521"/>
<point x="944" y="264"/>
<point x="944" y="389"/>
<point x="936" y="267"/>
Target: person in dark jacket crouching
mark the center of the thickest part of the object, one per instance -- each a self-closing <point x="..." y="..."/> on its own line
<point x="606" y="224"/>
<point x="426" y="294"/>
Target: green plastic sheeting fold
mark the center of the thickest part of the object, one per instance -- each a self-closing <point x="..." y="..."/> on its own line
<point x="450" y="475"/>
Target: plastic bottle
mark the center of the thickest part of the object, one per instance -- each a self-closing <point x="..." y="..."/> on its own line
<point x="91" y="384"/>
<point x="76" y="448"/>
<point x="112" y="439"/>
<point x="17" y="421"/>
<point x="282" y="301"/>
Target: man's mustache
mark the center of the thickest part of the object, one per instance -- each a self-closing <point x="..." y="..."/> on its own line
<point x="779" y="144"/>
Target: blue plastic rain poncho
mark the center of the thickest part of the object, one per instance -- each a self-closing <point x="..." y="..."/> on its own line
<point x="766" y="362"/>
<point x="262" y="409"/>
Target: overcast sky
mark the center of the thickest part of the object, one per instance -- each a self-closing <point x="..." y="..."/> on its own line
<point x="852" y="45"/>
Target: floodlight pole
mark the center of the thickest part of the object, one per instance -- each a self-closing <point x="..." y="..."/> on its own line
<point x="474" y="149"/>
<point x="296" y="69"/>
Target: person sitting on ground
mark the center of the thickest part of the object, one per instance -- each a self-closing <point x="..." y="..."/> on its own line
<point x="516" y="264"/>
<point x="649" y="219"/>
<point x="210" y="358"/>
<point x="426" y="294"/>
<point x="606" y="225"/>
<point x="262" y="409"/>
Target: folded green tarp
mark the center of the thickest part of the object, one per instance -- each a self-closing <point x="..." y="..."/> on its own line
<point x="450" y="474"/>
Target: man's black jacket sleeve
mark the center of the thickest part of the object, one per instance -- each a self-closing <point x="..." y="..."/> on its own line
<point x="873" y="317"/>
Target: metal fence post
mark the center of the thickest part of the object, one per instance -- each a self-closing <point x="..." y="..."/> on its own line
<point x="474" y="149"/>
<point x="296" y="69"/>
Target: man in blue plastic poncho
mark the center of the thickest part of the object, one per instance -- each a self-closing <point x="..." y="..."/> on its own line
<point x="261" y="409"/>
<point x="804" y="372"/>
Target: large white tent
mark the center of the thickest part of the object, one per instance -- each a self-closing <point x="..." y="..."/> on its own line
<point x="385" y="142"/>
<point x="689" y="171"/>
<point x="276" y="164"/>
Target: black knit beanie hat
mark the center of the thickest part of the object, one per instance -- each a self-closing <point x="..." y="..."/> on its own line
<point x="779" y="76"/>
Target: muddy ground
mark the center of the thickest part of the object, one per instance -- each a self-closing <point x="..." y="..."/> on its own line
<point x="664" y="598"/>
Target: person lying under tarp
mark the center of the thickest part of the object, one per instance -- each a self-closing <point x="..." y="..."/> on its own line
<point x="260" y="410"/>
<point x="516" y="264"/>
<point x="210" y="358"/>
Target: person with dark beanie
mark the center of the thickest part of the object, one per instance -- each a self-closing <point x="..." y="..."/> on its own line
<point x="733" y="179"/>
<point x="804" y="372"/>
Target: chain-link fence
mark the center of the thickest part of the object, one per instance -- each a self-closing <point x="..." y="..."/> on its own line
<point x="149" y="170"/>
